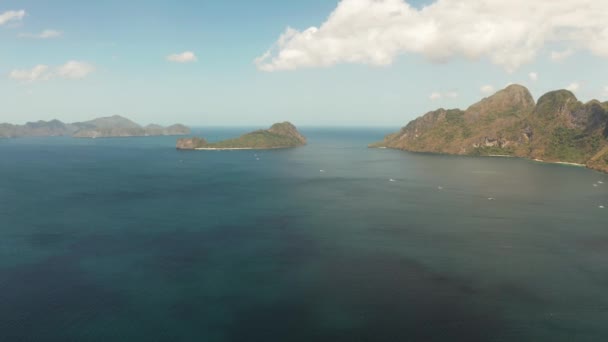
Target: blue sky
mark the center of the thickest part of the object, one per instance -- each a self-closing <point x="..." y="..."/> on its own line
<point x="119" y="51"/>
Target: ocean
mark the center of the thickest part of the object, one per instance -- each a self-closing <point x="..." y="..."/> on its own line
<point x="128" y="239"/>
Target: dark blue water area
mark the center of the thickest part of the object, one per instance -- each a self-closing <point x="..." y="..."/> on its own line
<point x="128" y="239"/>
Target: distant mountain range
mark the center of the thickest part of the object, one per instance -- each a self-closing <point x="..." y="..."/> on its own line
<point x="107" y="127"/>
<point x="280" y="135"/>
<point x="558" y="128"/>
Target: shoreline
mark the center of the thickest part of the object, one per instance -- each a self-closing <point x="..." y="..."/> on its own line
<point x="237" y="148"/>
<point x="557" y="162"/>
<point x="222" y="148"/>
<point x="504" y="156"/>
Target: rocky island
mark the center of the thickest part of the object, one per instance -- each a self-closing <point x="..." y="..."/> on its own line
<point x="558" y="128"/>
<point x="280" y="135"/>
<point x="107" y="127"/>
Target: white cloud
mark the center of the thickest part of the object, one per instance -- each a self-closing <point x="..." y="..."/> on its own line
<point x="11" y="16"/>
<point x="46" y="34"/>
<point x="72" y="70"/>
<point x="375" y="32"/>
<point x="38" y="73"/>
<point x="533" y="76"/>
<point x="435" y="96"/>
<point x="574" y="86"/>
<point x="559" y="56"/>
<point x="487" y="89"/>
<point x="451" y="94"/>
<point x="438" y="95"/>
<point x="184" y="57"/>
<point x="605" y="91"/>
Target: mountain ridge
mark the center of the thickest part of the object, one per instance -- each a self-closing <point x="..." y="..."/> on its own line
<point x="557" y="128"/>
<point x="103" y="127"/>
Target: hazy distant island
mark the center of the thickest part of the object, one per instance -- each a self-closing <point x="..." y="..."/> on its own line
<point x="558" y="128"/>
<point x="280" y="135"/>
<point x="107" y="127"/>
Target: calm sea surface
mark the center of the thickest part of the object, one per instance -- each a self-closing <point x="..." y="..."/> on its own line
<point x="131" y="240"/>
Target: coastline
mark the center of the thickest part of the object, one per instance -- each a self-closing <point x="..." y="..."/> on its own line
<point x="604" y="171"/>
<point x="237" y="148"/>
<point x="222" y="148"/>
<point x="557" y="162"/>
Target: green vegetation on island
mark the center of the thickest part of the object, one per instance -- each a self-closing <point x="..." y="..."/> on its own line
<point x="113" y="126"/>
<point x="280" y="135"/>
<point x="558" y="128"/>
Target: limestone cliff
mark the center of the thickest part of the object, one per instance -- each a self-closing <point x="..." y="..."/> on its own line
<point x="558" y="128"/>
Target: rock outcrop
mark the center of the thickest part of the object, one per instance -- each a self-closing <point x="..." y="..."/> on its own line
<point x="190" y="143"/>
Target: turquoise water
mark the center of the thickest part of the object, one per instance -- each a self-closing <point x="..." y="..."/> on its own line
<point x="131" y="240"/>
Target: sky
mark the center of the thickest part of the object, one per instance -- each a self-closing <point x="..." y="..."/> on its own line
<point x="314" y="62"/>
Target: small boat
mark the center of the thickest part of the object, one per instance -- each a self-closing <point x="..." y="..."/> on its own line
<point x="392" y="180"/>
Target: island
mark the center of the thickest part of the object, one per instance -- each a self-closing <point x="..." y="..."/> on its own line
<point x="558" y="128"/>
<point x="106" y="127"/>
<point x="280" y="135"/>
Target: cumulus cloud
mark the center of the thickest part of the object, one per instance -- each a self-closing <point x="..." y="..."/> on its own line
<point x="533" y="76"/>
<point x="184" y="57"/>
<point x="438" y="95"/>
<point x="375" y="32"/>
<point x="559" y="56"/>
<point x="38" y="73"/>
<point x="46" y="34"/>
<point x="487" y="89"/>
<point x="435" y="96"/>
<point x="574" y="86"/>
<point x="72" y="70"/>
<point x="9" y="16"/>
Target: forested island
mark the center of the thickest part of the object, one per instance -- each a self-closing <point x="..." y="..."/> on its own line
<point x="558" y="128"/>
<point x="280" y="135"/>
